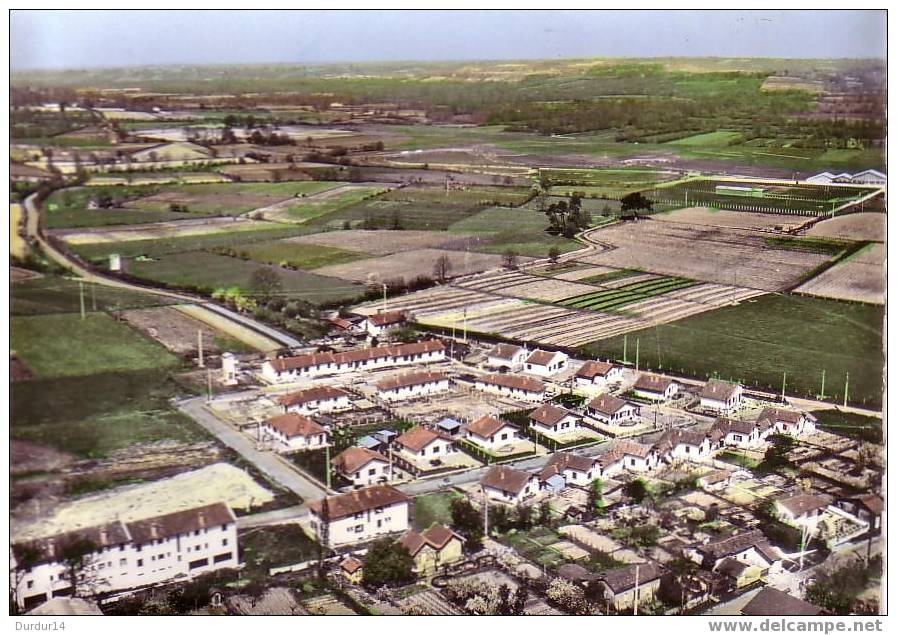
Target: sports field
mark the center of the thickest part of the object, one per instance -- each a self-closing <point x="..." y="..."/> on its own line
<point x="759" y="340"/>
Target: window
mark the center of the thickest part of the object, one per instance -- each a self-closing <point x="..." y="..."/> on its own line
<point x="30" y="584"/>
<point x="123" y="562"/>
<point x="140" y="562"/>
<point x="139" y="547"/>
<point x="359" y="529"/>
<point x="224" y="542"/>
<point x="223" y="527"/>
<point x="504" y="436"/>
<point x="196" y="533"/>
<point x="359" y="515"/>
<point x="372" y="471"/>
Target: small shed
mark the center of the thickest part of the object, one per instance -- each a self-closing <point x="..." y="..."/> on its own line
<point x="449" y="426"/>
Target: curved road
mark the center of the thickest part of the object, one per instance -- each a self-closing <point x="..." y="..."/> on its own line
<point x="33" y="231"/>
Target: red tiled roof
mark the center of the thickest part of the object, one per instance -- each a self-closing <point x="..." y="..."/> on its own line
<point x="541" y="358"/>
<point x="653" y="383"/>
<point x="719" y="390"/>
<point x="771" y="601"/>
<point x="623" y="579"/>
<point x="351" y="564"/>
<point x="295" y="425"/>
<point x="607" y="404"/>
<point x="378" y="352"/>
<point x="624" y="447"/>
<point x="361" y="500"/>
<point x="385" y="319"/>
<point x="353" y="459"/>
<point x="548" y="414"/>
<point x="513" y="381"/>
<point x="672" y="438"/>
<point x="773" y="415"/>
<point x="506" y="479"/>
<point x="182" y="522"/>
<point x="504" y="351"/>
<point x="486" y="426"/>
<point x="419" y="437"/>
<point x="437" y="537"/>
<point x="592" y="369"/>
<point x="561" y="461"/>
<point x="410" y="379"/>
<point x="800" y="504"/>
<point x="318" y="393"/>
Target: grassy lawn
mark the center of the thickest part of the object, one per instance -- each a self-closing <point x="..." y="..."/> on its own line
<point x="710" y="139"/>
<point x="519" y="229"/>
<point x="280" y="545"/>
<point x="51" y="294"/>
<point x="306" y="210"/>
<point x="756" y="341"/>
<point x="610" y="276"/>
<point x="736" y="458"/>
<point x="378" y="213"/>
<point x="64" y="345"/>
<point x="849" y="424"/>
<point x="208" y="271"/>
<point x="304" y="256"/>
<point x="433" y="508"/>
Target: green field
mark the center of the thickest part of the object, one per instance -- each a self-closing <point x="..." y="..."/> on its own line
<point x="433" y="508"/>
<point x="385" y="214"/>
<point x="102" y="217"/>
<point x="610" y="276"/>
<point x="709" y="139"/>
<point x="519" y="229"/>
<point x="266" y="547"/>
<point x="300" y="256"/>
<point x="229" y="199"/>
<point x="758" y="340"/>
<point x="97" y="344"/>
<point x="311" y="209"/>
<point x="613" y="299"/>
<point x="52" y="294"/>
<point x="479" y="196"/>
<point x="208" y="271"/>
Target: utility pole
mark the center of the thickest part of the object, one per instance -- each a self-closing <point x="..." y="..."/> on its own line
<point x="784" y="373"/>
<point x="199" y="344"/>
<point x="93" y="294"/>
<point x="209" y="382"/>
<point x="637" y="340"/>
<point x="846" y="385"/>
<point x="384" y="297"/>
<point x="485" y="513"/>
<point x="822" y="392"/>
<point x="327" y="463"/>
<point x="81" y="294"/>
<point x="465" y="326"/>
<point x="625" y="336"/>
<point x="635" y="593"/>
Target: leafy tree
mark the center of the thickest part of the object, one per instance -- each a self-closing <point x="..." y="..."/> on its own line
<point x="524" y="517"/>
<point x="387" y="563"/>
<point x="75" y="556"/>
<point x="553" y="254"/>
<point x="637" y="490"/>
<point x="776" y="456"/>
<point x="468" y="522"/>
<point x="500" y="518"/>
<point x="596" y="498"/>
<point x="265" y="282"/>
<point x="545" y="518"/>
<point x="634" y="202"/>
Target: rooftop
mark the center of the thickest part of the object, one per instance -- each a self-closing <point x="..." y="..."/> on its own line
<point x="513" y="381"/>
<point x="719" y="390"/>
<point x="506" y="479"/>
<point x="295" y="425"/>
<point x="770" y="601"/>
<point x="419" y="437"/>
<point x="486" y="426"/>
<point x="361" y="500"/>
<point x="318" y="393"/>
<point x="592" y="369"/>
<point x="353" y="459"/>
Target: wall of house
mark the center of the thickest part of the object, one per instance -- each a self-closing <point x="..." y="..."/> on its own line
<point x="514" y="393"/>
<point x="271" y="375"/>
<point x="363" y="526"/>
<point x="371" y="474"/>
<point x="411" y="392"/>
<point x="313" y="442"/>
<point x="325" y="405"/>
<point x="626" y="599"/>
<point x="504" y="436"/>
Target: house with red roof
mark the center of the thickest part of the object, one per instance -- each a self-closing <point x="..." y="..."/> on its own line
<point x="545" y="363"/>
<point x="291" y="432"/>
<point x="490" y="433"/>
<point x="433" y="549"/>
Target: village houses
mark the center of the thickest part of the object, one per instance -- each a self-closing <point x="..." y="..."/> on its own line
<point x="738" y="434"/>
<point x="507" y="485"/>
<point x="677" y="444"/>
<point x="720" y="397"/>
<point x="513" y="386"/>
<point x="788" y="422"/>
<point x="376" y="325"/>
<point x="291" y="432"/>
<point x="361" y="466"/>
<point x="573" y="468"/>
<point x="490" y="433"/>
<point x="545" y="363"/>
<point x="596" y="375"/>
<point x="423" y="447"/>
<point x="317" y="399"/>
<point x="412" y="386"/>
<point x="359" y="516"/>
<point x="612" y="410"/>
<point x="749" y="547"/>
<point x="630" y="455"/>
<point x="655" y="387"/>
<point x="506" y="356"/>
<point x="129" y="554"/>
<point x="802" y="510"/>
<point x="287" y="369"/>
<point x="622" y="587"/>
<point x="551" y="420"/>
<point x="433" y="549"/>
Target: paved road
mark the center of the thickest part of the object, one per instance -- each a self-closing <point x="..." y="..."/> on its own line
<point x="292" y="514"/>
<point x="32" y="229"/>
<point x="272" y="465"/>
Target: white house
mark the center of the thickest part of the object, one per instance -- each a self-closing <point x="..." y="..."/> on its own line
<point x="545" y="363"/>
<point x="412" y="386"/>
<point x="514" y="386"/>
<point x="720" y="397"/>
<point x="655" y="387"/>
<point x="594" y="375"/>
<point x="678" y="444"/>
<point x="749" y="547"/>
<point x="376" y="325"/>
<point x="420" y="443"/>
<point x="361" y="466"/>
<point x="359" y="516"/>
<point x="490" y="433"/>
<point x="295" y="432"/>
<point x="632" y="456"/>
<point x="788" y="422"/>
<point x="317" y="399"/>
<point x="550" y="419"/>
<point x="507" y="356"/>
<point x="127" y="555"/>
<point x="287" y="369"/>
<point x="576" y="469"/>
<point x="612" y="410"/>
<point x="738" y="434"/>
<point x="823" y="177"/>
<point x="802" y="510"/>
<point x="870" y="177"/>
<point x="508" y="485"/>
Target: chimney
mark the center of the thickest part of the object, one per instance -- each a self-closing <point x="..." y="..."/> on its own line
<point x="154" y="530"/>
<point x="104" y="537"/>
<point x="201" y="518"/>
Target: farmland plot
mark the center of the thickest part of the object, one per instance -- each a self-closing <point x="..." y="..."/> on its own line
<point x="612" y="299"/>
<point x="227" y="198"/>
<point x="382" y="242"/>
<point x="306" y="208"/>
<point x="526" y="286"/>
<point x="860" y="278"/>
<point x="731" y="219"/>
<point x="860" y="226"/>
<point x="410" y="264"/>
<point x="711" y="254"/>
<point x="159" y="231"/>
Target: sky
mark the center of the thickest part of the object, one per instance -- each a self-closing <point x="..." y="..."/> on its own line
<point x="89" y="39"/>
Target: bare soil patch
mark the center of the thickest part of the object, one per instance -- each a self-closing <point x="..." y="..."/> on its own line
<point x="382" y="242"/>
<point x="732" y="219"/>
<point x="174" y="330"/>
<point x="150" y="231"/>
<point x="17" y="274"/>
<point x="26" y="457"/>
<point x="860" y="278"/>
<point x="860" y="226"/>
<point x="410" y="264"/>
<point x="18" y="370"/>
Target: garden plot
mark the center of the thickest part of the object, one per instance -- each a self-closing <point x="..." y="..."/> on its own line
<point x="411" y="264"/>
<point x="521" y="285"/>
<point x="227" y="199"/>
<point x="584" y="272"/>
<point x="154" y="231"/>
<point x="300" y="210"/>
<point x="613" y="299"/>
<point x="859" y="278"/>
<point x="860" y="226"/>
<point x="212" y="484"/>
<point x="382" y="242"/>
<point x="731" y="219"/>
<point x="174" y="330"/>
<point x="710" y="254"/>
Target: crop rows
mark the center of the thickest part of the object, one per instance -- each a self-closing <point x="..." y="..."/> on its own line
<point x="613" y="298"/>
